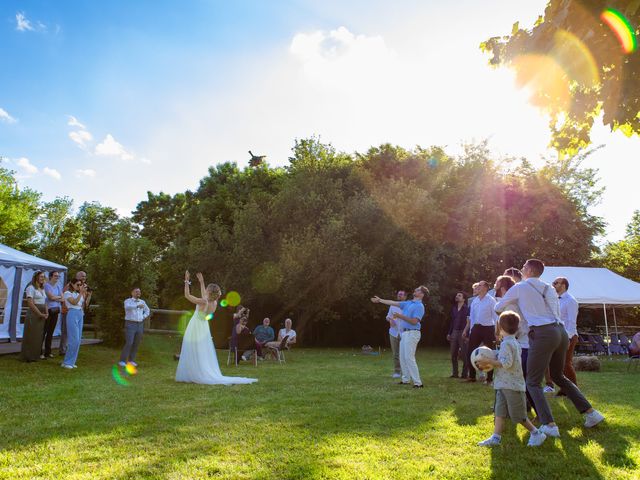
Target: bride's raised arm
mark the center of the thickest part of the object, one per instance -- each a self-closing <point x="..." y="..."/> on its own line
<point x="187" y="293"/>
<point x="203" y="289"/>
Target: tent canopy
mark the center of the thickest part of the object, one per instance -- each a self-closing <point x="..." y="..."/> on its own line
<point x="10" y="257"/>
<point x="596" y="286"/>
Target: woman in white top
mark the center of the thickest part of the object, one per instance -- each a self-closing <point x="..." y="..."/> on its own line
<point x="34" y="322"/>
<point x="74" y="301"/>
<point x="198" y="362"/>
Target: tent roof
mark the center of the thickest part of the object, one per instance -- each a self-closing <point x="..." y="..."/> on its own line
<point x="12" y="257"/>
<point x="596" y="286"/>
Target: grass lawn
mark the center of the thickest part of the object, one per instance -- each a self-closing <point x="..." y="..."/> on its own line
<point x="325" y="414"/>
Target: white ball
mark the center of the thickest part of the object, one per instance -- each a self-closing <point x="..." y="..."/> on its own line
<point x="484" y="353"/>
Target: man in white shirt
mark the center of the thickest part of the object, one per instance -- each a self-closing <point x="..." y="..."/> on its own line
<point x="548" y="342"/>
<point x="136" y="312"/>
<point x="569" y="316"/>
<point x="482" y="325"/>
<point x="287" y="331"/>
<point x="394" y="333"/>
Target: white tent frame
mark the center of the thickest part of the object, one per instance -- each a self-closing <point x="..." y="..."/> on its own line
<point x="12" y="258"/>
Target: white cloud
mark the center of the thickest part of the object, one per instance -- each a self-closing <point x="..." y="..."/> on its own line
<point x="74" y="122"/>
<point x="26" y="166"/>
<point x="81" y="137"/>
<point x="145" y="160"/>
<point x="22" y="23"/>
<point x="5" y="117"/>
<point x="51" y="172"/>
<point x="85" y="173"/>
<point x="110" y="147"/>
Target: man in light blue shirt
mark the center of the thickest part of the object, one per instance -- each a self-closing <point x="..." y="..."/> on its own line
<point x="394" y="334"/>
<point x="409" y="321"/>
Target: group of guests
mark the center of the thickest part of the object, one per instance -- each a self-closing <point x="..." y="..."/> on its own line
<point x="47" y="300"/>
<point x="537" y="333"/>
<point x="262" y="338"/>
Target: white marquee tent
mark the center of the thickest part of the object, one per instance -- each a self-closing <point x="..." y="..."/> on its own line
<point x="597" y="288"/>
<point x="16" y="270"/>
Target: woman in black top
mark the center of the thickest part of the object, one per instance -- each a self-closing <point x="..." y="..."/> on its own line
<point x="459" y="314"/>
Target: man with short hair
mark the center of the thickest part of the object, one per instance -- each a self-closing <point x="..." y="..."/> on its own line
<point x="482" y="325"/>
<point x="411" y="316"/>
<point x="262" y="334"/>
<point x="569" y="317"/>
<point x="394" y="334"/>
<point x="136" y="312"/>
<point x="548" y="342"/>
<point x="288" y="332"/>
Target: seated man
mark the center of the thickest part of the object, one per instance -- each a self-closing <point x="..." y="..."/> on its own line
<point x="287" y="331"/>
<point x="263" y="334"/>
<point x="634" y="346"/>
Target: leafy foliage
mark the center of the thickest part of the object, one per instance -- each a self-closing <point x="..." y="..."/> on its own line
<point x="19" y="209"/>
<point x="577" y="69"/>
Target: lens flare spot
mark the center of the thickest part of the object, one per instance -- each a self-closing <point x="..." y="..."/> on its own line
<point x="131" y="369"/>
<point x="223" y="302"/>
<point x="576" y="59"/>
<point x="209" y="317"/>
<point x="233" y="299"/>
<point x="266" y="277"/>
<point x="545" y="81"/>
<point x="622" y="28"/>
<point x="120" y="380"/>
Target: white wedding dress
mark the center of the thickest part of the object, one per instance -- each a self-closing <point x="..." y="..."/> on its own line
<point x="198" y="362"/>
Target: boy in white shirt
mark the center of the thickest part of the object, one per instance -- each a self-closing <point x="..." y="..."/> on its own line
<point x="508" y="382"/>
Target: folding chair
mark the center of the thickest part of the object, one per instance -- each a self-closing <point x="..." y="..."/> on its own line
<point x="278" y="350"/>
<point x="245" y="342"/>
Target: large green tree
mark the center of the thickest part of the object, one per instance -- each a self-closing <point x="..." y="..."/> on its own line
<point x="576" y="67"/>
<point x="59" y="232"/>
<point x="19" y="209"/>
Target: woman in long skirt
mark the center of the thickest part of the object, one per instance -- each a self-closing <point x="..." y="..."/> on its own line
<point x="34" y="323"/>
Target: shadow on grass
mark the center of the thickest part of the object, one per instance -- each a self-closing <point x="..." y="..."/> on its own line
<point x="294" y="423"/>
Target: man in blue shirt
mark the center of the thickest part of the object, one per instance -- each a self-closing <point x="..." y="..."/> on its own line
<point x="409" y="323"/>
<point x="263" y="334"/>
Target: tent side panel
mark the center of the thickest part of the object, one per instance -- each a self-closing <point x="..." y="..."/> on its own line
<point x="16" y="304"/>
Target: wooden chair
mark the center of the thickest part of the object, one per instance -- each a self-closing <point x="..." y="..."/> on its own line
<point x="278" y="351"/>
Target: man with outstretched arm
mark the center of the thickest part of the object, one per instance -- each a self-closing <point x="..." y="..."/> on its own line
<point x="410" y="323"/>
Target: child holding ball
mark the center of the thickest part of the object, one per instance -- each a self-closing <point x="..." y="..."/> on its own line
<point x="508" y="382"/>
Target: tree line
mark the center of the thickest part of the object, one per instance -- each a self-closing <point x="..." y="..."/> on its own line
<point x="315" y="239"/>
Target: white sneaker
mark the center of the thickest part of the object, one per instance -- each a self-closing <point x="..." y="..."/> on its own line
<point x="42" y="357"/>
<point x="122" y="364"/>
<point x="64" y="365"/>
<point x="592" y="419"/>
<point x="396" y="375"/>
<point x="536" y="439"/>
<point x="74" y="366"/>
<point x="549" y="389"/>
<point x="550" y="431"/>
<point x="492" y="441"/>
<point x="134" y="364"/>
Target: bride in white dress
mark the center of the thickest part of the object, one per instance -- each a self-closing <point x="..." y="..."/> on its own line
<point x="198" y="362"/>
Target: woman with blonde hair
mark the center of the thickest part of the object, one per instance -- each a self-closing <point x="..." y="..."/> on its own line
<point x="198" y="362"/>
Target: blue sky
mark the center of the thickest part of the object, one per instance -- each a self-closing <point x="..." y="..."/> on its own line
<point x="106" y="100"/>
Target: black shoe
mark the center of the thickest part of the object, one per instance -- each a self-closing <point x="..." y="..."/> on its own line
<point x="418" y="386"/>
<point x="403" y="383"/>
<point x="454" y="376"/>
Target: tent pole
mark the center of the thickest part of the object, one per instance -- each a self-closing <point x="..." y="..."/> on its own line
<point x="606" y="329"/>
<point x="615" y="322"/>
